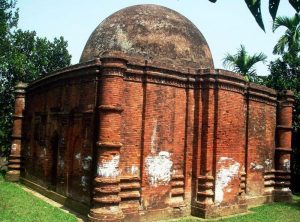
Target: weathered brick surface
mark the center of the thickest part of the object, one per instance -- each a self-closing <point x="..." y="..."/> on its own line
<point x="57" y="149"/>
<point x="139" y="140"/>
<point x="205" y="143"/>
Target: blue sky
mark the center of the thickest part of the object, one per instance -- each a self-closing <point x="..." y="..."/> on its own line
<point x="225" y="24"/>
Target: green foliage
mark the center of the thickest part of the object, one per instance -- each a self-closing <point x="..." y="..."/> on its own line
<point x="23" y="57"/>
<point x="285" y="72"/>
<point x="289" y="43"/>
<point x="283" y="77"/>
<point x="243" y="63"/>
<point x="255" y="8"/>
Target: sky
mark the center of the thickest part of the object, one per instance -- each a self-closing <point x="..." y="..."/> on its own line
<point x="225" y="25"/>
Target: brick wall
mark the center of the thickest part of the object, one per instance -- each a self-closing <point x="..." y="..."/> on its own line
<point x="198" y="141"/>
<point x="58" y="145"/>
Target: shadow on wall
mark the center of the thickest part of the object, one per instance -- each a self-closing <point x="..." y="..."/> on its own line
<point x="295" y="180"/>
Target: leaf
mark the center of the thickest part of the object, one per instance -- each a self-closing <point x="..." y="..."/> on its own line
<point x="273" y="7"/>
<point x="255" y="9"/>
<point x="295" y="4"/>
<point x="213" y="1"/>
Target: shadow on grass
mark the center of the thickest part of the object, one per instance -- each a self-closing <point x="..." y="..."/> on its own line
<point x="295" y="204"/>
<point x="2" y="174"/>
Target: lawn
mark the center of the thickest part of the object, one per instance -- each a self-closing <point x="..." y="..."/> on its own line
<point x="16" y="205"/>
<point x="276" y="212"/>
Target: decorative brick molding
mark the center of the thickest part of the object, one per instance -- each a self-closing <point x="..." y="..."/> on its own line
<point x="283" y="149"/>
<point x="15" y="158"/>
<point x="107" y="196"/>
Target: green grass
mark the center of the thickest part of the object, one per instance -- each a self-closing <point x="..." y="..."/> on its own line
<point x="19" y="206"/>
<point x="276" y="212"/>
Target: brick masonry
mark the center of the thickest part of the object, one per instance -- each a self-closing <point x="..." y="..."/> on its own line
<point x="206" y="143"/>
<point x="127" y="139"/>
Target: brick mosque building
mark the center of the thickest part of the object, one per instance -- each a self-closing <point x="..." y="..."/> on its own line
<point x="144" y="128"/>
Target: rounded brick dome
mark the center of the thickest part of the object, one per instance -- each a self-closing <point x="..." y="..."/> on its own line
<point x="153" y="33"/>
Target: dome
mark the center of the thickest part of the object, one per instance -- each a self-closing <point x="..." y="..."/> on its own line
<point x="153" y="33"/>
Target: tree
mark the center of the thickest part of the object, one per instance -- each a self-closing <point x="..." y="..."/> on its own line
<point x="285" y="74"/>
<point x="23" y="57"/>
<point x="244" y="63"/>
<point x="289" y="44"/>
<point x="255" y="8"/>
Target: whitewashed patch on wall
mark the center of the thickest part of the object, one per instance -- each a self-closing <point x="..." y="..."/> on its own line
<point x="61" y="162"/>
<point x="14" y="147"/>
<point x="86" y="162"/>
<point x="84" y="181"/>
<point x="256" y="166"/>
<point x="228" y="170"/>
<point x="159" y="168"/>
<point x="133" y="170"/>
<point x="109" y="168"/>
<point x="287" y="164"/>
<point x="268" y="164"/>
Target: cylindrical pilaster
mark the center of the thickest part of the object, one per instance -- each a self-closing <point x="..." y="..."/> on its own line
<point x="14" y="161"/>
<point x="106" y="198"/>
<point x="283" y="147"/>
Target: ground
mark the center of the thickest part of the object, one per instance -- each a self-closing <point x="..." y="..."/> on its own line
<point x="18" y="205"/>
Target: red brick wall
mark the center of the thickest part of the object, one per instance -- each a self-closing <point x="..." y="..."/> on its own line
<point x="230" y="145"/>
<point x="261" y="142"/>
<point x="158" y="140"/>
<point x="59" y="136"/>
<point x="184" y="139"/>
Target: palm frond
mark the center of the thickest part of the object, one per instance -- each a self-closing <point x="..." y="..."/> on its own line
<point x="283" y="21"/>
<point x="244" y="63"/>
<point x="281" y="45"/>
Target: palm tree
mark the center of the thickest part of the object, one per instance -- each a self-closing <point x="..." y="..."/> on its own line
<point x="244" y="63"/>
<point x="289" y="43"/>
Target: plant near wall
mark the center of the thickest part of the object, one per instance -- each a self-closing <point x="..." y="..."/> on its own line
<point x="23" y="57"/>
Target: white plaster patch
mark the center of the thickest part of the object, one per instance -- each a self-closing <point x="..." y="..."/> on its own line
<point x="78" y="156"/>
<point x="44" y="153"/>
<point x="109" y="168"/>
<point x="286" y="189"/>
<point x="287" y="164"/>
<point x="133" y="170"/>
<point x="228" y="190"/>
<point x="256" y="166"/>
<point x="268" y="164"/>
<point x="84" y="180"/>
<point x="159" y="168"/>
<point x="86" y="162"/>
<point x="14" y="147"/>
<point x="61" y="163"/>
<point x="154" y="138"/>
<point x="228" y="170"/>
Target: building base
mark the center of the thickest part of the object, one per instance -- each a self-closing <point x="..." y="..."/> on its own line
<point x="158" y="214"/>
<point x="253" y="201"/>
<point x="12" y="176"/>
<point x="214" y="211"/>
<point x="283" y="196"/>
<point x="67" y="202"/>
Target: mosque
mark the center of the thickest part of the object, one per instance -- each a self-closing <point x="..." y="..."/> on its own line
<point x="145" y="128"/>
